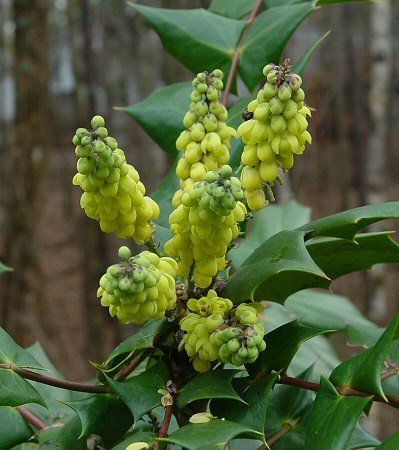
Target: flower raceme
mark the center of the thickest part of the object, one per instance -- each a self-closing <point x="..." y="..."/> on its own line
<point x="214" y="330"/>
<point x="140" y="287"/>
<point x="205" y="142"/>
<point x="275" y="132"/>
<point x="113" y="193"/>
<point x="205" y="224"/>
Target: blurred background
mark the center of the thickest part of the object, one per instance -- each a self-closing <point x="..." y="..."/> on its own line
<point x="62" y="61"/>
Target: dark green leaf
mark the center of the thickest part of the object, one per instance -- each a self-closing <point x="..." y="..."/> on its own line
<point x="182" y="34"/>
<point x="104" y="415"/>
<point x="256" y="394"/>
<point x="209" y="385"/>
<point x="161" y="114"/>
<point x="317" y="351"/>
<point x="346" y="224"/>
<point x="325" y="310"/>
<point x="212" y="435"/>
<point x="267" y="38"/>
<point x="140" y="436"/>
<point x="26" y="446"/>
<point x="281" y="346"/>
<point x="363" y="371"/>
<point x="235" y="9"/>
<point x="15" y="390"/>
<point x="234" y="120"/>
<point x="140" y="393"/>
<point x="364" y="335"/>
<point x="53" y="396"/>
<point x="144" y="338"/>
<point x="4" y="268"/>
<point x="299" y="67"/>
<point x="274" y="3"/>
<point x="65" y="437"/>
<point x="266" y="223"/>
<point x="288" y="403"/>
<point x="327" y="2"/>
<point x="294" y="439"/>
<point x="276" y="269"/>
<point x="12" y="353"/>
<point x="163" y="195"/>
<point x="337" y="257"/>
<point x="13" y="428"/>
<point x="391" y="443"/>
<point x="333" y="418"/>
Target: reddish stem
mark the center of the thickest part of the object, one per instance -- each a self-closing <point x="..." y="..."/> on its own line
<point x="236" y="56"/>
<point x="165" y="424"/>
<point x="126" y="371"/>
<point x="31" y="418"/>
<point x="347" y="390"/>
<point x="63" y="384"/>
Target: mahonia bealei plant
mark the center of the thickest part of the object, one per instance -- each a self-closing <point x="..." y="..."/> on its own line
<point x="207" y="217"/>
<point x="113" y="193"/>
<point x="206" y="141"/>
<point x="275" y="131"/>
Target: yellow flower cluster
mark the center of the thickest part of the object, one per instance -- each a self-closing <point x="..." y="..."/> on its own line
<point x="113" y="193"/>
<point x="276" y="131"/>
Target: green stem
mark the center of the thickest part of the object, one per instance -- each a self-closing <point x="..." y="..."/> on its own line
<point x="237" y="50"/>
<point x="63" y="384"/>
<point x="152" y="246"/>
<point x="190" y="282"/>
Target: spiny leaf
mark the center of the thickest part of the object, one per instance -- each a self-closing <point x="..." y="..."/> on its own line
<point x="144" y="338"/>
<point x="276" y="269"/>
<point x="235" y="9"/>
<point x="266" y="39"/>
<point x="12" y="353"/>
<point x="363" y="371"/>
<point x="209" y="385"/>
<point x="104" y="415"/>
<point x="161" y="114"/>
<point x="256" y="394"/>
<point x="65" y="437"/>
<point x="198" y="38"/>
<point x="337" y="257"/>
<point x="281" y="346"/>
<point x="266" y="223"/>
<point x="15" y="390"/>
<point x="140" y="393"/>
<point x="333" y="418"/>
<point x="299" y="67"/>
<point x="212" y="435"/>
<point x="346" y="224"/>
<point x="13" y="428"/>
<point x="325" y="310"/>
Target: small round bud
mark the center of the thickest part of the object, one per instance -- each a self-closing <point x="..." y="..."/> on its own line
<point x="124" y="253"/>
<point x="97" y="122"/>
<point x="102" y="132"/>
<point x="226" y="171"/>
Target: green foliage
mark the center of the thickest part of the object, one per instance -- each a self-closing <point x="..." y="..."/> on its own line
<point x="333" y="418"/>
<point x="148" y="389"/>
